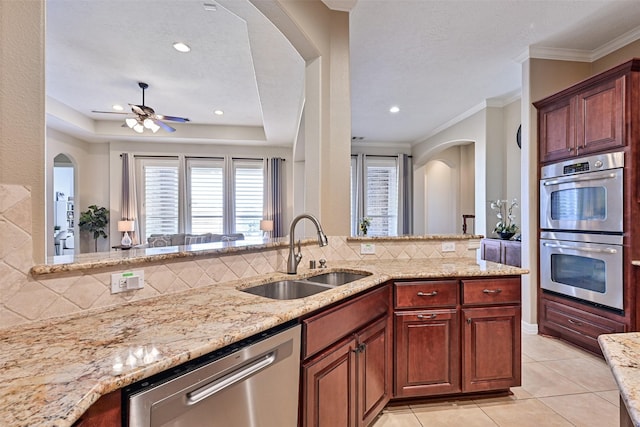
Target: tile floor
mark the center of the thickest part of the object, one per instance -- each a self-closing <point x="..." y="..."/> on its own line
<point x="561" y="386"/>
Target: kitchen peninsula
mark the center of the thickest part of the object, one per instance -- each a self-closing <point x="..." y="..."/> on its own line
<point x="54" y="370"/>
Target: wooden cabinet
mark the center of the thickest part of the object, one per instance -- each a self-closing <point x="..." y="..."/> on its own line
<point x="575" y="324"/>
<point x="436" y="355"/>
<point x="427" y="358"/>
<point x="106" y="412"/>
<point x="507" y="252"/>
<point x="347" y="371"/>
<point x="582" y="122"/>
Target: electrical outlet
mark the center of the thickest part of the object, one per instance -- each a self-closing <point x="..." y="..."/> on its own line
<point x="448" y="246"/>
<point x="367" y="248"/>
<point x="127" y="281"/>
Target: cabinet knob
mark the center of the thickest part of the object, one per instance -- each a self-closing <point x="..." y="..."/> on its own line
<point x="428" y="294"/>
<point x="469" y="320"/>
<point x="492" y="291"/>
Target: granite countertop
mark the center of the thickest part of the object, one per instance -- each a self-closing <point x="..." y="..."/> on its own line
<point x="622" y="352"/>
<point x="52" y="371"/>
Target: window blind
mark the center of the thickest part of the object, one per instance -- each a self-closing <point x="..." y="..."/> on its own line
<point x="161" y="197"/>
<point x="206" y="189"/>
<point x="249" y="196"/>
<point x="381" y="195"/>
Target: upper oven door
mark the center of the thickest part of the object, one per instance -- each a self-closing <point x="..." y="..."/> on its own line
<point x="590" y="201"/>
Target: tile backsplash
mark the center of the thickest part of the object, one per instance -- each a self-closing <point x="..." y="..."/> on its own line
<point x="24" y="298"/>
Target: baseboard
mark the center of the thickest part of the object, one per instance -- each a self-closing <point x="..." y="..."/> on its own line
<point x="529" y="328"/>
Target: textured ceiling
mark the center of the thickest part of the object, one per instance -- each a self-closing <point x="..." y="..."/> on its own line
<point x="434" y="59"/>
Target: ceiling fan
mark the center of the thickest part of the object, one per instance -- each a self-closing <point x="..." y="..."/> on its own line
<point x="146" y="117"/>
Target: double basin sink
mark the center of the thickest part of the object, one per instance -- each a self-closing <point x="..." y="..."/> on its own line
<point x="300" y="288"/>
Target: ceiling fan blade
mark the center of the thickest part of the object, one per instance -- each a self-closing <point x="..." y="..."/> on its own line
<point x="109" y="112"/>
<point x="173" y="118"/>
<point x="163" y="125"/>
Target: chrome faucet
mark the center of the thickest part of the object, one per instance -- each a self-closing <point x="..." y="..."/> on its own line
<point x="294" y="258"/>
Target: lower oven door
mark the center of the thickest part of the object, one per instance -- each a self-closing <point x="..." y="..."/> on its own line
<point x="587" y="271"/>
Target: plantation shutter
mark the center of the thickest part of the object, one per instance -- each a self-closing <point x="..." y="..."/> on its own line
<point x="161" y="196"/>
<point x="381" y="197"/>
<point x="249" y="196"/>
<point x="206" y="187"/>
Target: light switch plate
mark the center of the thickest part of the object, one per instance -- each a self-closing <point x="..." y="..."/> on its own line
<point x="448" y="246"/>
<point x="127" y="281"/>
<point x="367" y="248"/>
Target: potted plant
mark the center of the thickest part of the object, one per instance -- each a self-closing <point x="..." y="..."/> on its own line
<point x="94" y="220"/>
<point x="505" y="226"/>
<point x="364" y="225"/>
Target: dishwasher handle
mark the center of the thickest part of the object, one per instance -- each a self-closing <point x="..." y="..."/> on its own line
<point x="228" y="380"/>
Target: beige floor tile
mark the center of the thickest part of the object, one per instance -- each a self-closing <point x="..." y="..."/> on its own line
<point x="526" y="359"/>
<point x="541" y="348"/>
<point x="523" y="413"/>
<point x="585" y="410"/>
<point x="612" y="396"/>
<point x="520" y="393"/>
<point x="541" y="381"/>
<point x="398" y="416"/>
<point x="592" y="374"/>
<point x="454" y="413"/>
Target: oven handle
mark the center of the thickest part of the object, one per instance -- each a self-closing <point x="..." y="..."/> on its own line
<point x="596" y="250"/>
<point x="591" y="177"/>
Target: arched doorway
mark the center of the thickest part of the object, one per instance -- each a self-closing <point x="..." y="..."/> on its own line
<point x="64" y="214"/>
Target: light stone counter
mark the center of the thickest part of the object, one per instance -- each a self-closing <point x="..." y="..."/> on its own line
<point x="622" y="352"/>
<point x="52" y="371"/>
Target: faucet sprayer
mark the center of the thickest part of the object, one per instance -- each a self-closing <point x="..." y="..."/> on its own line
<point x="294" y="258"/>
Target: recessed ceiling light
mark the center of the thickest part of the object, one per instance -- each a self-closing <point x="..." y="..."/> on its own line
<point x="218" y="112"/>
<point x="181" y="47"/>
<point x="394" y="109"/>
<point x="210" y="7"/>
<point x="117" y="107"/>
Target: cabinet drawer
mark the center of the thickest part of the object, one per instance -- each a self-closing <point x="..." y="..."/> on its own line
<point x="491" y="291"/>
<point x="438" y="293"/>
<point x="578" y="326"/>
<point x="331" y="325"/>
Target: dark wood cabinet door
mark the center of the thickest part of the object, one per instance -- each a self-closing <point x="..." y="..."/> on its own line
<point x="374" y="361"/>
<point x="329" y="387"/>
<point x="106" y="412"/>
<point x="491" y="348"/>
<point x="427" y="353"/>
<point x="600" y="117"/>
<point x="510" y="253"/>
<point x="556" y="131"/>
<point x="490" y="250"/>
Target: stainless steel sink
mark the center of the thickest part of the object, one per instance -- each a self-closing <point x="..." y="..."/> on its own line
<point x="300" y="288"/>
<point x="287" y="289"/>
<point x="336" y="278"/>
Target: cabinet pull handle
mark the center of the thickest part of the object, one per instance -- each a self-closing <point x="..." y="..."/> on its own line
<point x="575" y="322"/>
<point x="428" y="294"/>
<point x="492" y="291"/>
<point x="431" y="316"/>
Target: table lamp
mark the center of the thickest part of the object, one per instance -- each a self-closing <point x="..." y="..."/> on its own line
<point x="266" y="225"/>
<point x="126" y="226"/>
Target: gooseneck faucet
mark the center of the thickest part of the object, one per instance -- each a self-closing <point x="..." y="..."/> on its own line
<point x="294" y="258"/>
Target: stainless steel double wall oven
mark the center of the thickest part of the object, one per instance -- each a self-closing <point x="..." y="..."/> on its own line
<point x="581" y="223"/>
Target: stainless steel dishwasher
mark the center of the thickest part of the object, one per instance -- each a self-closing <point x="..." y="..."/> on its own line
<point x="253" y="383"/>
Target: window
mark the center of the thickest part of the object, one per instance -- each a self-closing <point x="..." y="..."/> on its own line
<point x="160" y="196"/>
<point x="222" y="195"/>
<point x="206" y="191"/>
<point x="379" y="193"/>
<point x="249" y="196"/>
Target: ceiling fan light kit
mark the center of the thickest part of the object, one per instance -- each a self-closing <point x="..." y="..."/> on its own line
<point x="146" y="117"/>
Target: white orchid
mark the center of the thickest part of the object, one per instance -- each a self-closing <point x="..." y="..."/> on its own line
<point x="502" y="212"/>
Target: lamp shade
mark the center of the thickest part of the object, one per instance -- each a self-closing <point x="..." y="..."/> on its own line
<point x="125" y="225"/>
<point x="266" y="225"/>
